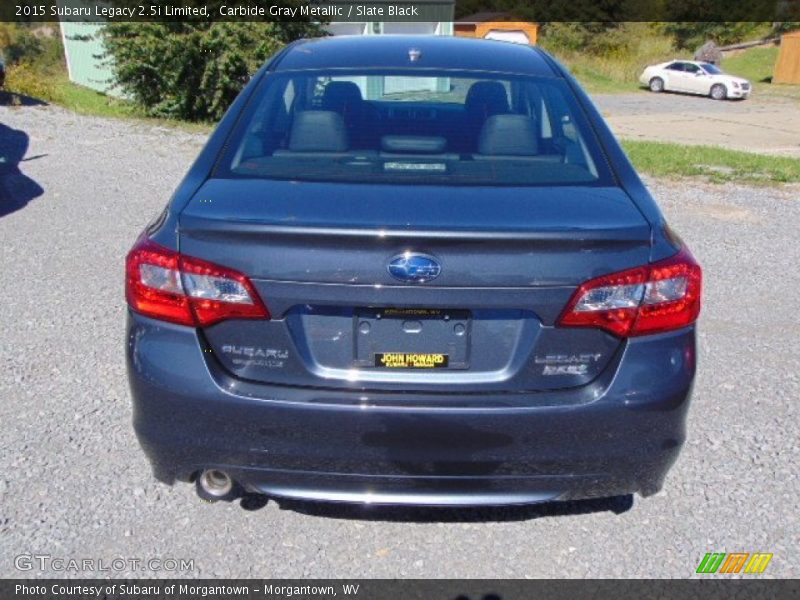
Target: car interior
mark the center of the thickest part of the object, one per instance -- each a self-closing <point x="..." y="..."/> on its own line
<point x="471" y="131"/>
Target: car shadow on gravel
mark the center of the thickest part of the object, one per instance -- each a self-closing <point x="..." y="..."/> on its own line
<point x="16" y="188"/>
<point x="617" y="505"/>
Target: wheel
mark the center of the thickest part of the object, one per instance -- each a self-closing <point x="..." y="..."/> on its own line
<point x="719" y="91"/>
<point x="656" y="84"/>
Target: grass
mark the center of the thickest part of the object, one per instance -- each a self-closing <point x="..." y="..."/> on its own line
<point x="757" y="65"/>
<point x="618" y="70"/>
<point x="42" y="78"/>
<point x="34" y="84"/>
<point x="39" y="75"/>
<point x="716" y="164"/>
<point x="27" y="82"/>
<point x="89" y="102"/>
<point x="619" y="73"/>
<point x="597" y="80"/>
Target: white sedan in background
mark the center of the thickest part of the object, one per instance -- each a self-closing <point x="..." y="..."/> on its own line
<point x="693" y="77"/>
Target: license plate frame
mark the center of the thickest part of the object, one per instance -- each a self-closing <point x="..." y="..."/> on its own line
<point x="428" y="339"/>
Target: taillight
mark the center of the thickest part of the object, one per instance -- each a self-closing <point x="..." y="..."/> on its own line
<point x="662" y="296"/>
<point x="166" y="285"/>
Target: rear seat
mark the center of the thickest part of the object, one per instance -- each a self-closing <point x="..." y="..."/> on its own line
<point x="319" y="134"/>
<point x="316" y="134"/>
<point x="511" y="137"/>
<point x="484" y="100"/>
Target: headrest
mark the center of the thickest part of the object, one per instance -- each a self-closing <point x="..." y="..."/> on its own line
<point x="509" y="135"/>
<point x="318" y="131"/>
<point x="487" y="98"/>
<point x="341" y="95"/>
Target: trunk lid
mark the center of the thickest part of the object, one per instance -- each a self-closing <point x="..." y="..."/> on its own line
<point x="318" y="255"/>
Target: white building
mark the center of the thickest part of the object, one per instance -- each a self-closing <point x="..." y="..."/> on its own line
<point x="440" y="13"/>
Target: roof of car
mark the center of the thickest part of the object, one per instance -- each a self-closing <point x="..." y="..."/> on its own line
<point x="435" y="52"/>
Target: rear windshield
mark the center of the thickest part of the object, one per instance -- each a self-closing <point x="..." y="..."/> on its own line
<point x="416" y="127"/>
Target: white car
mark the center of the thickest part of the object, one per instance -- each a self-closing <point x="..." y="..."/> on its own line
<point x="693" y="77"/>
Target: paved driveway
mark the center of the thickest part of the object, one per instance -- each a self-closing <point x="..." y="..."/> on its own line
<point x="74" y="483"/>
<point x="765" y="125"/>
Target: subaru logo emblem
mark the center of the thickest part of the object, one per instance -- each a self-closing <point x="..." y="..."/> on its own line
<point x="414" y="268"/>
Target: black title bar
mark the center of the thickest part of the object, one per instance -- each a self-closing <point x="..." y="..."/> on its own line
<point x="540" y="11"/>
<point x="393" y="589"/>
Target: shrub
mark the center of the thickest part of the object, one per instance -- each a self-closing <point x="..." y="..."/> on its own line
<point x="616" y="55"/>
<point x="18" y="43"/>
<point x="22" y="79"/>
<point x="33" y="56"/>
<point x="192" y="71"/>
<point x="690" y="35"/>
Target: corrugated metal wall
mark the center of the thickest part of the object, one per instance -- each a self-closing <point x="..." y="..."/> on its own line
<point x="86" y="57"/>
<point x="787" y="69"/>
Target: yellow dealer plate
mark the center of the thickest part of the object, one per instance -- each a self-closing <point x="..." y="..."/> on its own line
<point x="410" y="360"/>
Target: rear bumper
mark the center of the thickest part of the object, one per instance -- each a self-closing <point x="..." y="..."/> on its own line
<point x="618" y="435"/>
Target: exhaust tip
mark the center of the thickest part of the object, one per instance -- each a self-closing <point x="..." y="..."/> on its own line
<point x="215" y="484"/>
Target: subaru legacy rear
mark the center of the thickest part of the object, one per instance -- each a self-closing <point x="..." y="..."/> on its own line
<point x="412" y="270"/>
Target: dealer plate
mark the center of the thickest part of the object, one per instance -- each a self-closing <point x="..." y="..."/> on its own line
<point x="411" y="338"/>
<point x="411" y="360"/>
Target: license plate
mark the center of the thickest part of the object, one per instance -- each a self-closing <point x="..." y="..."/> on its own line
<point x="410" y="360"/>
<point x="411" y="338"/>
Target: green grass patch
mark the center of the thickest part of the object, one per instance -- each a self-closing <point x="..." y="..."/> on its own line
<point x="755" y="64"/>
<point x="41" y="76"/>
<point x="758" y="65"/>
<point x="598" y="81"/>
<point x="617" y="69"/>
<point x="618" y="72"/>
<point x="32" y="84"/>
<point x="713" y="163"/>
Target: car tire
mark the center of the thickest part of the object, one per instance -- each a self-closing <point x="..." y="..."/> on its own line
<point x="656" y="85"/>
<point x="718" y="92"/>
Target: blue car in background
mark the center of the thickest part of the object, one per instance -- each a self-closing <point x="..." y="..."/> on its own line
<point x="412" y="270"/>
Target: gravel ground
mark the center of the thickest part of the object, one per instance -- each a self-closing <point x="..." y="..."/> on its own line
<point x="74" y="483"/>
<point x="766" y="125"/>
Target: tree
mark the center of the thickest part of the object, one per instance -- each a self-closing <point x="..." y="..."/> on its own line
<point x="18" y="43"/>
<point x="784" y="26"/>
<point x="193" y="70"/>
<point x="690" y="34"/>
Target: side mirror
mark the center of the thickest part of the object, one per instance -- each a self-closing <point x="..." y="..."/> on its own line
<point x="699" y="74"/>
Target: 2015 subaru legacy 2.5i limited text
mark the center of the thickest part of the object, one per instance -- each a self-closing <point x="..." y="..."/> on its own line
<point x="412" y="270"/>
